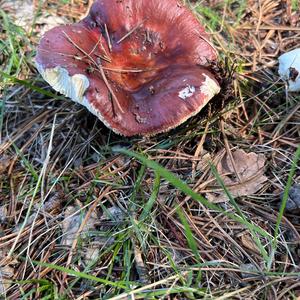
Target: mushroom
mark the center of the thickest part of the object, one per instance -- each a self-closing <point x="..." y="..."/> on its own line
<point x="289" y="69"/>
<point x="142" y="67"/>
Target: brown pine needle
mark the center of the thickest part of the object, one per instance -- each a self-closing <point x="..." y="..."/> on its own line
<point x="130" y="32"/>
<point x="99" y="67"/>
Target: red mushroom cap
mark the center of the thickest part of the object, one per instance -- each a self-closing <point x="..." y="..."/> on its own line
<point x="140" y="66"/>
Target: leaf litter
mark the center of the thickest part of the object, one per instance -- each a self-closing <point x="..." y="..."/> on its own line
<point x="25" y="14"/>
<point x="5" y="161"/>
<point x="7" y="271"/>
<point x="72" y="222"/>
<point x="243" y="176"/>
<point x="261" y="31"/>
<point x="91" y="243"/>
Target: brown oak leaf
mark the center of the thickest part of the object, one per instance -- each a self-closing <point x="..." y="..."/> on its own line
<point x="243" y="178"/>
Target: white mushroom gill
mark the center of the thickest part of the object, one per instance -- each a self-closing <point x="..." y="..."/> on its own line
<point x="73" y="87"/>
<point x="209" y="87"/>
<point x="187" y="92"/>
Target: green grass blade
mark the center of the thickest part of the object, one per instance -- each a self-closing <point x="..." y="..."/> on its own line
<point x="147" y="209"/>
<point x="137" y="184"/>
<point x="283" y="205"/>
<point x="27" y="164"/>
<point x="257" y="241"/>
<point x="178" y="183"/>
<point x="81" y="274"/>
<point x="189" y="234"/>
<point x="30" y="86"/>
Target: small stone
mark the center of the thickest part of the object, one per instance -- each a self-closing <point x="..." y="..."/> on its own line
<point x="293" y="201"/>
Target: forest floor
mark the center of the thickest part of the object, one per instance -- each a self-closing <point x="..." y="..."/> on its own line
<point x="209" y="210"/>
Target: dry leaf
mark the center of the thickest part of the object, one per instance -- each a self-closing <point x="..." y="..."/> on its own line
<point x="248" y="242"/>
<point x="248" y="269"/>
<point x="92" y="249"/>
<point x="53" y="201"/>
<point x="3" y="213"/>
<point x="140" y="264"/>
<point x="72" y="9"/>
<point x="4" y="163"/>
<point x="48" y="22"/>
<point x="91" y="253"/>
<point x="114" y="214"/>
<point x="22" y="11"/>
<point x="6" y="276"/>
<point x="6" y="271"/>
<point x="204" y="162"/>
<point x="72" y="223"/>
<point x="250" y="168"/>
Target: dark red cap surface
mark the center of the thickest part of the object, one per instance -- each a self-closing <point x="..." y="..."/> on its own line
<point x="140" y="66"/>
